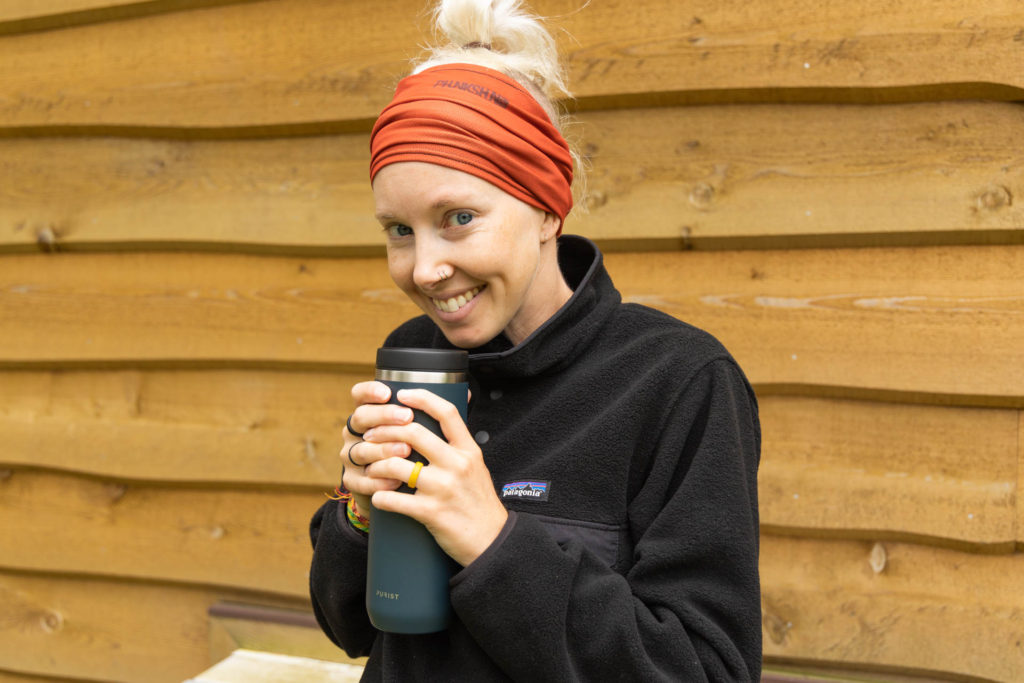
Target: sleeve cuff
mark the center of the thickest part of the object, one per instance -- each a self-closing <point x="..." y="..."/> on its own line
<point x="341" y="520"/>
<point x="488" y="554"/>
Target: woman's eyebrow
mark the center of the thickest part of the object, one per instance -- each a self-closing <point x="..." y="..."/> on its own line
<point x="439" y="204"/>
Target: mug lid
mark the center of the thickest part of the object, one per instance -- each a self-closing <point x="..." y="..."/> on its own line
<point x="429" y="360"/>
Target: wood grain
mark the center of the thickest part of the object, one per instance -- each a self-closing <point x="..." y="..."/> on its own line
<point x="254" y="539"/>
<point x="834" y="468"/>
<point x="756" y="176"/>
<point x="305" y="194"/>
<point x="103" y="629"/>
<point x="223" y="67"/>
<point x="914" y="321"/>
<point x="891" y="606"/>
<point x="869" y="320"/>
<point x="1020" y="481"/>
<point x="296" y="634"/>
<point x="22" y="16"/>
<point x="680" y="177"/>
<point x="227" y="426"/>
<point x="199" y="307"/>
<point x="823" y="601"/>
<point x="253" y="666"/>
<point x="12" y="677"/>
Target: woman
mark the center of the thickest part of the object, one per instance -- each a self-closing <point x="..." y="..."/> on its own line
<point x="634" y="556"/>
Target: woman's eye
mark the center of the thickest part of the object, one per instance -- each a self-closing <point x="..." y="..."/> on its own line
<point x="460" y="218"/>
<point x="398" y="230"/>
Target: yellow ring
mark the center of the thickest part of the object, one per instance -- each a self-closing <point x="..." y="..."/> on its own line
<point x="415" y="474"/>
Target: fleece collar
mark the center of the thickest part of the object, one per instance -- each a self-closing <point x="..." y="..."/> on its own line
<point x="565" y="335"/>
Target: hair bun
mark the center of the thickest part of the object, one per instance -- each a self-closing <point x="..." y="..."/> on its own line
<point x="515" y="42"/>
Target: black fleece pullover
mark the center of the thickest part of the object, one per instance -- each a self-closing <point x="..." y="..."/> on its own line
<point x="625" y="445"/>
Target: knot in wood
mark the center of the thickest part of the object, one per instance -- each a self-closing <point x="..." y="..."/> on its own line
<point x="701" y="195"/>
<point x="994" y="197"/>
<point x="47" y="237"/>
<point x="776" y="627"/>
<point x="51" y="622"/>
<point x="595" y="199"/>
<point x="878" y="558"/>
<point x="116" y="492"/>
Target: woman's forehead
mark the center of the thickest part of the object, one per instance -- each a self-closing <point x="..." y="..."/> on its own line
<point x="421" y="186"/>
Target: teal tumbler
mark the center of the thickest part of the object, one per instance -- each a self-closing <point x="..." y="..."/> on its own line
<point x="407" y="573"/>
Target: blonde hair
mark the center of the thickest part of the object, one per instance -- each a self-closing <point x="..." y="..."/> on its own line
<point x="504" y="36"/>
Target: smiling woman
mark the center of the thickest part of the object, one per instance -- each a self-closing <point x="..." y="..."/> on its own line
<point x="631" y="549"/>
<point x="497" y="253"/>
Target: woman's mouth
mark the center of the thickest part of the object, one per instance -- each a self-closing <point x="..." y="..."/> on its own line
<point x="453" y="304"/>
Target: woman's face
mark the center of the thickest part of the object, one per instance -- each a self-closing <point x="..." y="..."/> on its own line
<point x="498" y="250"/>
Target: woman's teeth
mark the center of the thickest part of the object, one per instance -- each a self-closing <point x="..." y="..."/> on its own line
<point x="456" y="302"/>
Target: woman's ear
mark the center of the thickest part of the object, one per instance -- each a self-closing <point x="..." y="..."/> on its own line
<point x="552" y="224"/>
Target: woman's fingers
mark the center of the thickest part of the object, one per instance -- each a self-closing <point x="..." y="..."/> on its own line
<point x="371" y="406"/>
<point x="446" y="414"/>
<point x="401" y="469"/>
<point x="370" y="392"/>
<point x="364" y="453"/>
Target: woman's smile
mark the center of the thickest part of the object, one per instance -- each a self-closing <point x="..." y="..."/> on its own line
<point x="456" y="303"/>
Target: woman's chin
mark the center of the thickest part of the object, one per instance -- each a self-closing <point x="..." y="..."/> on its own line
<point x="464" y="339"/>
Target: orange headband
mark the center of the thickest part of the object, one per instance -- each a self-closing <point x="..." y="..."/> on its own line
<point x="478" y="121"/>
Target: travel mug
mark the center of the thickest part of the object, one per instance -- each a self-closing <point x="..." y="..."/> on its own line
<point x="407" y="573"/>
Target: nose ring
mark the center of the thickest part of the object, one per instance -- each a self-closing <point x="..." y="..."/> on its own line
<point x="443" y="275"/>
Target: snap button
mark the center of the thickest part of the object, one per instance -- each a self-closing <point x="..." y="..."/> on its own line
<point x="482" y="437"/>
<point x="495" y="394"/>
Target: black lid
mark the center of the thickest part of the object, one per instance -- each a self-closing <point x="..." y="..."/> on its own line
<point x="424" y="360"/>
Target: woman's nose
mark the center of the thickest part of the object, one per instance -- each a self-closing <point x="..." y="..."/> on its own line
<point x="432" y="265"/>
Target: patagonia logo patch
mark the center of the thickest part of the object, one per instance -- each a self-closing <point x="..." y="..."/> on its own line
<point x="526" y="490"/>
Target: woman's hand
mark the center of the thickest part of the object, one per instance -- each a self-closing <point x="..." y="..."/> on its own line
<point x="455" y="497"/>
<point x="372" y="410"/>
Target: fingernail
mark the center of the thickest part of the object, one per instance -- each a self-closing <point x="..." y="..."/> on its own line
<point x="403" y="414"/>
<point x="368" y="435"/>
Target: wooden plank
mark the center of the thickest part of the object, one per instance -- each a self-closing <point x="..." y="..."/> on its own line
<point x="21" y="16"/>
<point x="307" y="195"/>
<point x="894" y="607"/>
<point x="15" y="10"/>
<point x="11" y="677"/>
<point x="900" y="323"/>
<point x="106" y="629"/>
<point x="237" y="426"/>
<point x="697" y="177"/>
<point x="254" y="539"/>
<point x="221" y="68"/>
<point x="1020" y="483"/>
<point x="287" y="632"/>
<point x="202" y="307"/>
<point x="755" y="176"/>
<point x="865" y="322"/>
<point x="246" y="666"/>
<point x="876" y="470"/>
